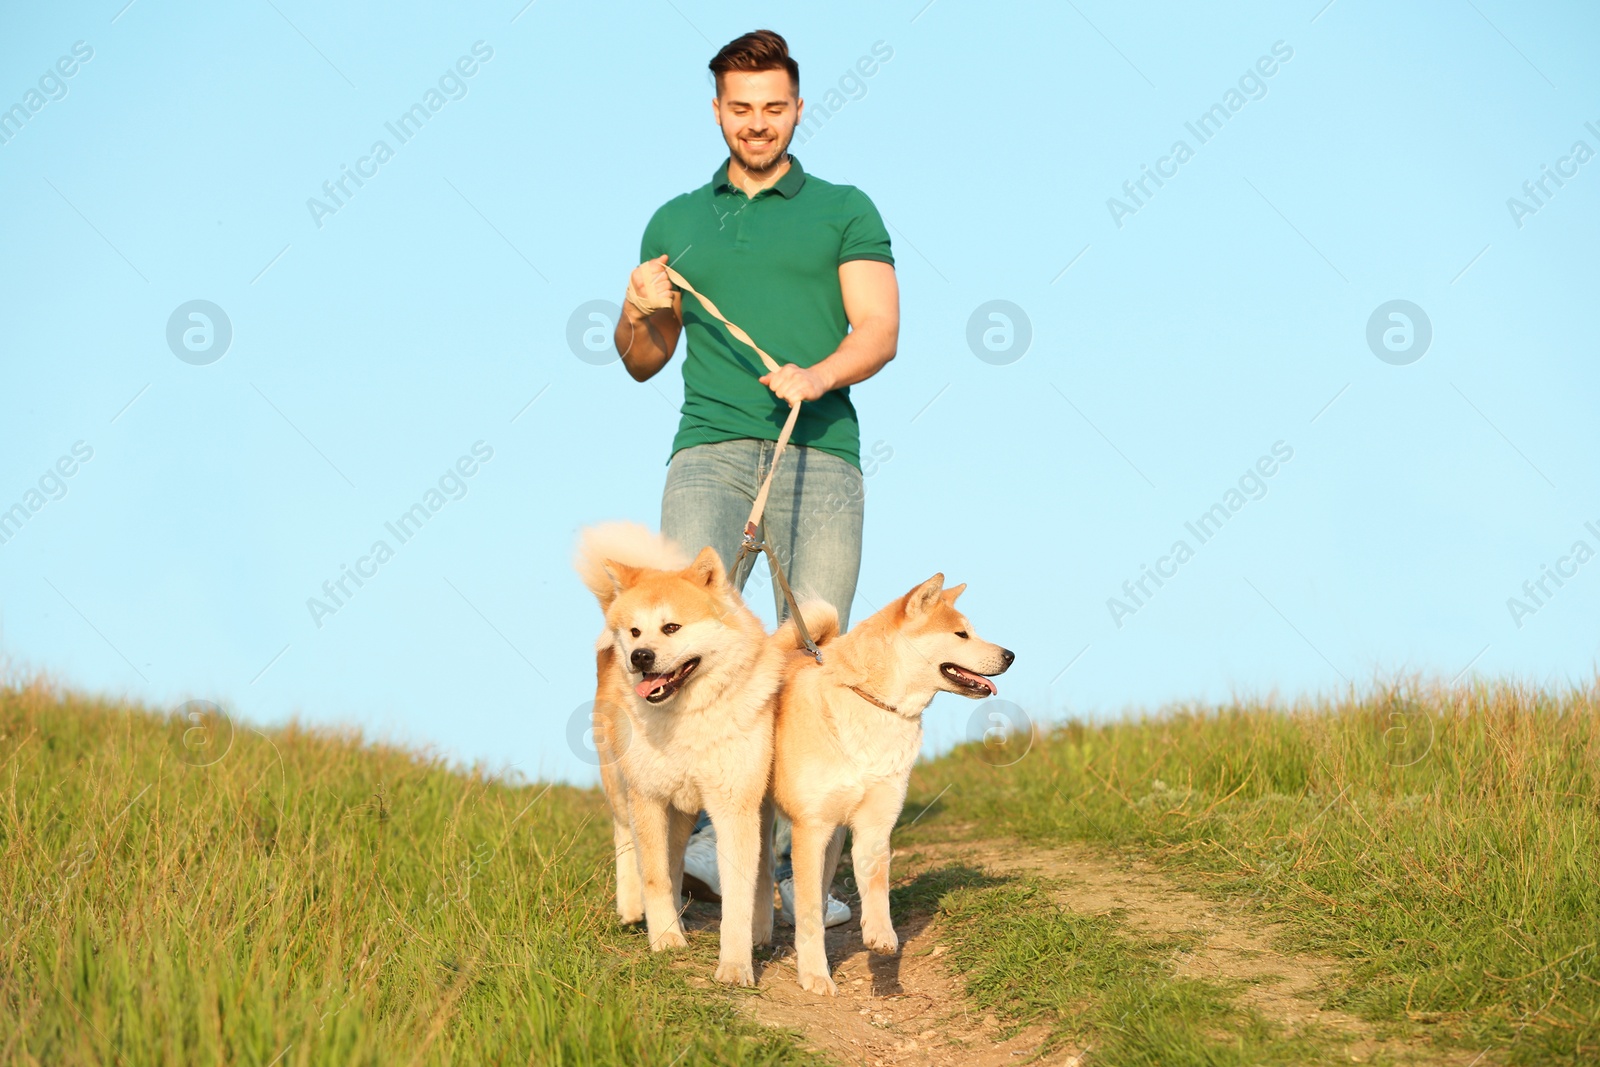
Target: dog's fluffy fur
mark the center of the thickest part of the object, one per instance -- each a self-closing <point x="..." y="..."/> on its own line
<point x="843" y="760"/>
<point x="683" y="720"/>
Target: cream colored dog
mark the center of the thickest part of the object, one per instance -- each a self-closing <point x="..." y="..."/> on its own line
<point x="848" y="732"/>
<point x="683" y="721"/>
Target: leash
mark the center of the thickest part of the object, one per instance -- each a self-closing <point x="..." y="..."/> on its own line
<point x="749" y="544"/>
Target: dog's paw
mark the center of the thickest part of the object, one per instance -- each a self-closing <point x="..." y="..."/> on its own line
<point x="630" y="918"/>
<point x="880" y="939"/>
<point x="761" y="931"/>
<point x="820" y="983"/>
<point x="668" y="939"/>
<point x="736" y="972"/>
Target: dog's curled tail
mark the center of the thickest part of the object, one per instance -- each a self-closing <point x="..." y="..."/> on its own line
<point x="821" y="618"/>
<point x="627" y="543"/>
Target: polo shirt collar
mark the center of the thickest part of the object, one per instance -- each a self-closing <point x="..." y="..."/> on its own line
<point x="786" y="186"/>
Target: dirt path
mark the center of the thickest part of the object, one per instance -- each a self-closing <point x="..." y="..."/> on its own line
<point x="891" y="1011"/>
<point x="909" y="1010"/>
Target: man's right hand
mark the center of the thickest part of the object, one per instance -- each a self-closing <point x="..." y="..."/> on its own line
<point x="649" y="288"/>
<point x="644" y="338"/>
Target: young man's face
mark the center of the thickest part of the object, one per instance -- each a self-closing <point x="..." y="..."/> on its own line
<point x="758" y="113"/>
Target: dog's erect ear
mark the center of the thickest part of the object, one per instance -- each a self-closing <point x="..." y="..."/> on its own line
<point x="953" y="592"/>
<point x="621" y="574"/>
<point x="706" y="571"/>
<point x="921" y="599"/>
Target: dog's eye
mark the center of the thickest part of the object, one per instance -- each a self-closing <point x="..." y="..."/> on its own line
<point x="961" y="634"/>
<point x="634" y="631"/>
<point x="671" y="628"/>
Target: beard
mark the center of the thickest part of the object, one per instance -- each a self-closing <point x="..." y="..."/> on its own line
<point x="757" y="164"/>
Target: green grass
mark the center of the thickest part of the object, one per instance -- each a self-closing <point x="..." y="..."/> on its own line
<point x="1443" y="843"/>
<point x="1089" y="982"/>
<point x="308" y="898"/>
<point x="181" y="894"/>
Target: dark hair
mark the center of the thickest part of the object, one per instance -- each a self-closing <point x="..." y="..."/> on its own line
<point x="757" y="50"/>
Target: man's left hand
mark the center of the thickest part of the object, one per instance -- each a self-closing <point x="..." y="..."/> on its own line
<point x="796" y="384"/>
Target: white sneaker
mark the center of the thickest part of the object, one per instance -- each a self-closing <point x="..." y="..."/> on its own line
<point x="835" y="912"/>
<point x="700" y="879"/>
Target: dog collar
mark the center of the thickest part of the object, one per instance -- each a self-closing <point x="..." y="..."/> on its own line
<point x="870" y="699"/>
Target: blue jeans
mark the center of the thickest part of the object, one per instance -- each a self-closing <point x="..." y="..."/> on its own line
<point x="812" y="519"/>
<point x="812" y="522"/>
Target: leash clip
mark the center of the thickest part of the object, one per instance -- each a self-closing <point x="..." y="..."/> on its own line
<point x="749" y="546"/>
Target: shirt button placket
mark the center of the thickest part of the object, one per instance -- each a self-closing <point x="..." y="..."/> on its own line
<point x="739" y="239"/>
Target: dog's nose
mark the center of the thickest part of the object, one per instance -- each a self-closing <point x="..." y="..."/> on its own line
<point x="643" y="659"/>
<point x="1007" y="655"/>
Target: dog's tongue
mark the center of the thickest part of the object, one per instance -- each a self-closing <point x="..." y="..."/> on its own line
<point x="651" y="683"/>
<point x="978" y="679"/>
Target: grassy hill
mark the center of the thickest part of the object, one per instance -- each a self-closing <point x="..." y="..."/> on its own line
<point x="183" y="892"/>
<point x="1444" y="843"/>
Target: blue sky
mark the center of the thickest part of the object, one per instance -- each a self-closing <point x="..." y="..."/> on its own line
<point x="1174" y="341"/>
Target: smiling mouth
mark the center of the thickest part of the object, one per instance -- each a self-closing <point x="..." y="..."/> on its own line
<point x="971" y="682"/>
<point x="658" y="687"/>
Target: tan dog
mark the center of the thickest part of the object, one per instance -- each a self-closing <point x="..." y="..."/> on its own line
<point x="683" y="720"/>
<point x="848" y="733"/>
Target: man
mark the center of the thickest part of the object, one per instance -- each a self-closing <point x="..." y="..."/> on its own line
<point x="804" y="266"/>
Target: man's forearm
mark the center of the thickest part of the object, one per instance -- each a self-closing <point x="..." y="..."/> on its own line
<point x="645" y="342"/>
<point x="862" y="353"/>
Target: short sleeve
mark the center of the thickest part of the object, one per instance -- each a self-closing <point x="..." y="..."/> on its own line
<point x="654" y="241"/>
<point x="865" y="236"/>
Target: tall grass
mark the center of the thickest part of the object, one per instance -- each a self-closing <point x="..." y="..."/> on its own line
<point x="1444" y="841"/>
<point x="181" y="892"/>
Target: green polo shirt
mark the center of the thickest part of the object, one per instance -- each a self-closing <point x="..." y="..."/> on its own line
<point x="771" y="264"/>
